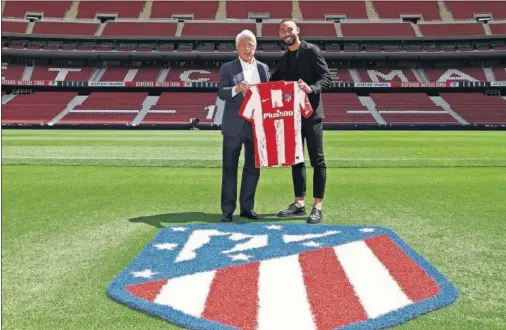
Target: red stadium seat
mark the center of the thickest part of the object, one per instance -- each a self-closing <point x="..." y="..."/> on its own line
<point x="377" y="30"/>
<point x="150" y="29"/>
<point x="124" y="9"/>
<point x="429" y="10"/>
<point x="65" y="28"/>
<point x="452" y="29"/>
<point x="275" y="9"/>
<point x="14" y="27"/>
<point x="477" y="108"/>
<point x="18" y="9"/>
<point x="316" y="10"/>
<point x="215" y="29"/>
<point x="166" y="9"/>
<point x="467" y="9"/>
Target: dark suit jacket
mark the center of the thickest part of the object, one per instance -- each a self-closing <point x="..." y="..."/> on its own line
<point x="312" y="69"/>
<point x="230" y="76"/>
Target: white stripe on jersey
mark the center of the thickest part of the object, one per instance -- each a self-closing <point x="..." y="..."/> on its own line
<point x="279" y="125"/>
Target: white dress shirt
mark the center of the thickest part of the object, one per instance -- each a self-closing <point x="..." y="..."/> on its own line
<point x="250" y="73"/>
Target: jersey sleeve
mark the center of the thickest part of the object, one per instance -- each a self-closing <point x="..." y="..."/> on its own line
<point x="302" y="101"/>
<point x="248" y="105"/>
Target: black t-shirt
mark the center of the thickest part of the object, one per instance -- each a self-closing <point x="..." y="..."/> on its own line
<point x="291" y="62"/>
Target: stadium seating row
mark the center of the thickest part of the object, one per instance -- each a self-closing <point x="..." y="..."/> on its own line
<point x="193" y="74"/>
<point x="301" y="9"/>
<point x="108" y="108"/>
<point x="266" y="29"/>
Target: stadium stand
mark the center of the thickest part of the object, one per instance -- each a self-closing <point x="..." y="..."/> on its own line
<point x="167" y="9"/>
<point x="461" y="74"/>
<point x="468" y="9"/>
<point x="410" y="108"/>
<point x="65" y="28"/>
<point x="36" y="108"/>
<point x="19" y="9"/>
<point x="318" y="10"/>
<point x="377" y="30"/>
<point x="174" y="108"/>
<point x="452" y="29"/>
<point x="273" y="9"/>
<point x="143" y="29"/>
<point x="427" y="10"/>
<point x="122" y="9"/>
<point x="478" y="108"/>
<point x="14" y="27"/>
<point x="104" y="108"/>
<point x="60" y="73"/>
<point x="382" y="75"/>
<point x="346" y="108"/>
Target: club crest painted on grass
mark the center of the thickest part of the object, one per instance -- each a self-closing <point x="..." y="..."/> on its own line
<point x="281" y="276"/>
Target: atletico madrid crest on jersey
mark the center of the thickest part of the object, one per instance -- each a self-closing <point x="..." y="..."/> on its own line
<point x="281" y="276"/>
<point x="275" y="110"/>
<point x="288" y="97"/>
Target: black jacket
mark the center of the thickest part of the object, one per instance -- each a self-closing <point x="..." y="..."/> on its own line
<point x="312" y="69"/>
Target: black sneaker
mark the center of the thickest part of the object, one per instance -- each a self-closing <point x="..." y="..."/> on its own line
<point x="315" y="217"/>
<point x="293" y="210"/>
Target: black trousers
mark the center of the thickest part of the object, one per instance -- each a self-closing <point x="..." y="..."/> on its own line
<point x="232" y="146"/>
<point x="312" y="134"/>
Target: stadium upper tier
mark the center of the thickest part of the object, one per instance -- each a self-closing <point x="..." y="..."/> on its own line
<point x="202" y="74"/>
<point x="301" y="9"/>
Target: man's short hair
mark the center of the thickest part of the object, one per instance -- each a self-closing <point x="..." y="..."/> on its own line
<point x="287" y="20"/>
<point x="245" y="34"/>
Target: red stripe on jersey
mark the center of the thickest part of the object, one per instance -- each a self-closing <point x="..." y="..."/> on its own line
<point x="413" y="280"/>
<point x="233" y="296"/>
<point x="148" y="291"/>
<point x="331" y="295"/>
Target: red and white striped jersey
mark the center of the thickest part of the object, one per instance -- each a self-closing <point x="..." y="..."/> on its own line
<point x="274" y="110"/>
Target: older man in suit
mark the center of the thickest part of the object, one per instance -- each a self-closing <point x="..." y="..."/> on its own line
<point x="236" y="77"/>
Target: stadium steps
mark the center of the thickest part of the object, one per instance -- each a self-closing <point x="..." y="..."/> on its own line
<point x="438" y="100"/>
<point x="339" y="30"/>
<point x="422" y="74"/>
<point x="259" y="30"/>
<point x="418" y="76"/>
<point x="78" y="100"/>
<point x="97" y="74"/>
<point x="355" y="75"/>
<point x="27" y="73"/>
<point x="221" y="13"/>
<point x="489" y="74"/>
<point x="371" y="106"/>
<point x="371" y="11"/>
<point x="486" y="27"/>
<point x="100" y="29"/>
<point x="416" y="28"/>
<point x="29" y="27"/>
<point x="444" y="11"/>
<point x="179" y="30"/>
<point x="146" y="105"/>
<point x="73" y="10"/>
<point x="7" y="98"/>
<point x="146" y="10"/>
<point x="162" y="75"/>
<point x="296" y="11"/>
<point x="3" y="7"/>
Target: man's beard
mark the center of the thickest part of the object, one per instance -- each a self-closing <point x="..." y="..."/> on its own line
<point x="293" y="40"/>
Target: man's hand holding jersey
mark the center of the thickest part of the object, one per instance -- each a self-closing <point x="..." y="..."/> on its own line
<point x="242" y="87"/>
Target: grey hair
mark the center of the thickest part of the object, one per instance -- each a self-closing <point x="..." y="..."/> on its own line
<point x="245" y="34"/>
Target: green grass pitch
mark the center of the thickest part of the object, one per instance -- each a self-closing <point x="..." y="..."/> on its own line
<point x="67" y="231"/>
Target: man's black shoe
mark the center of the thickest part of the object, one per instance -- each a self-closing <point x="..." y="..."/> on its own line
<point x="315" y="217"/>
<point x="293" y="210"/>
<point x="226" y="217"/>
<point x="250" y="214"/>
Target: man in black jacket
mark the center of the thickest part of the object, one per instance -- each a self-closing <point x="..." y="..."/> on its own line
<point x="304" y="62"/>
